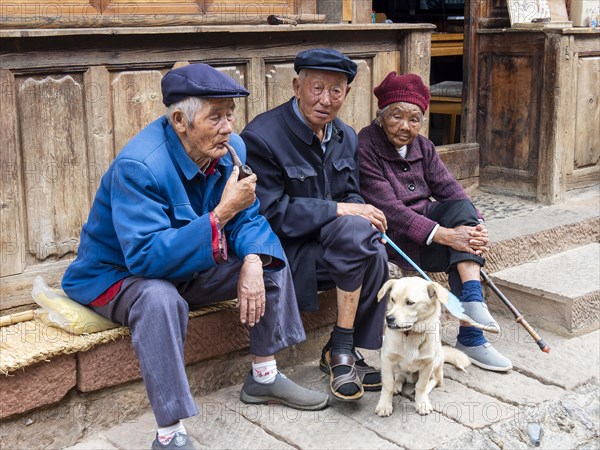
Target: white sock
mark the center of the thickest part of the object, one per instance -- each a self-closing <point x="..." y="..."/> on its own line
<point x="167" y="433"/>
<point x="264" y="372"/>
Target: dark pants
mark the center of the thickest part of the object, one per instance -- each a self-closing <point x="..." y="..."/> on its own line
<point x="439" y="258"/>
<point x="157" y="313"/>
<point x="351" y="256"/>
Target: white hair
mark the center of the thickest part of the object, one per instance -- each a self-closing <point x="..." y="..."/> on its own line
<point x="189" y="106"/>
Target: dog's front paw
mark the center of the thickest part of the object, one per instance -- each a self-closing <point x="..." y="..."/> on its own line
<point x="424" y="407"/>
<point x="384" y="408"/>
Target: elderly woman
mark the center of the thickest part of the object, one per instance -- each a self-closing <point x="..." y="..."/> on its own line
<point x="400" y="172"/>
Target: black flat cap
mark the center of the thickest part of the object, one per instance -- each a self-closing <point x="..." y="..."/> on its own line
<point x="199" y="80"/>
<point x="326" y="59"/>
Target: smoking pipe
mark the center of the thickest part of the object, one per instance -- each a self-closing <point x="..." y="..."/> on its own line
<point x="245" y="170"/>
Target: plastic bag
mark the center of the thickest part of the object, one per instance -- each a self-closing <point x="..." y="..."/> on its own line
<point x="62" y="312"/>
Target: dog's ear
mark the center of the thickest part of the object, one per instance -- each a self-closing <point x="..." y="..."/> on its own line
<point x="385" y="289"/>
<point x="437" y="292"/>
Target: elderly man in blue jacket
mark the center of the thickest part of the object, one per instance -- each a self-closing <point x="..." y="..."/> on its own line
<point x="173" y="227"/>
<point x="306" y="161"/>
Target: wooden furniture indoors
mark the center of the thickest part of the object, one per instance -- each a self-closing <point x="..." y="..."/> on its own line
<point x="446" y="97"/>
<point x="446" y="44"/>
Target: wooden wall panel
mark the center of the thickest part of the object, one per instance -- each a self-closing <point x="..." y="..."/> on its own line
<point x="417" y="59"/>
<point x="51" y="114"/>
<point x="136" y="101"/>
<point x="249" y="9"/>
<point x="417" y="55"/>
<point x="554" y="133"/>
<point x="383" y="63"/>
<point x="511" y="103"/>
<point x="491" y="13"/>
<point x="306" y="6"/>
<point x="238" y="73"/>
<point x="12" y="248"/>
<point x="256" y="102"/>
<point x="47" y="11"/>
<point x="356" y="110"/>
<point x="99" y="125"/>
<point x="137" y="7"/>
<point x="538" y="111"/>
<point x="279" y="83"/>
<point x="102" y="13"/>
<point x="587" y="116"/>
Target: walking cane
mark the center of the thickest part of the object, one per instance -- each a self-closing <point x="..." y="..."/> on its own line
<point x="453" y="303"/>
<point x="518" y="316"/>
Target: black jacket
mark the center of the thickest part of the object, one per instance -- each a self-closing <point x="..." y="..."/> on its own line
<point x="299" y="186"/>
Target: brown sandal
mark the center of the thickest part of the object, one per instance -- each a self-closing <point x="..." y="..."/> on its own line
<point x="361" y="371"/>
<point x="351" y="377"/>
<point x="365" y="370"/>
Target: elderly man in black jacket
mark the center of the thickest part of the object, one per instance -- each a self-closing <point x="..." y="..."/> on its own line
<point x="306" y="161"/>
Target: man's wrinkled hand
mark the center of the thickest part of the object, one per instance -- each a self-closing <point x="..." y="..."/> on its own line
<point x="369" y="212"/>
<point x="237" y="196"/>
<point x="251" y="291"/>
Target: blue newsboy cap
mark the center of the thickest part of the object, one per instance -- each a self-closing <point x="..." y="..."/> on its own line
<point x="199" y="80"/>
<point x="325" y="59"/>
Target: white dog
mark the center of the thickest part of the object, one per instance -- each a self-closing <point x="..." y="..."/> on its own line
<point x="412" y="344"/>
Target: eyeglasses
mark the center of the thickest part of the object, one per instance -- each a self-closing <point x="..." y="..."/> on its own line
<point x="335" y="92"/>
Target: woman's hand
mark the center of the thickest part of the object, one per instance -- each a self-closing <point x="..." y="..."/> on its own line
<point x="464" y="238"/>
<point x="479" y="240"/>
<point x="369" y="212"/>
<point x="251" y="290"/>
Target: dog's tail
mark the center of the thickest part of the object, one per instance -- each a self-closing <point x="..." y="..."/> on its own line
<point x="457" y="358"/>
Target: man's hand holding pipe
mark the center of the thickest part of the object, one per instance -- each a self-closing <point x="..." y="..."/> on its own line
<point x="237" y="196"/>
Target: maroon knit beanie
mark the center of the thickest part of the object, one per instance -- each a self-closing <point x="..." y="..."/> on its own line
<point x="402" y="88"/>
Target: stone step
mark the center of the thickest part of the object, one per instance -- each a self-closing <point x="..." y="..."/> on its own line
<point x="523" y="231"/>
<point x="559" y="292"/>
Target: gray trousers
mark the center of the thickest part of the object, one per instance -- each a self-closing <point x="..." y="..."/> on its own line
<point x="156" y="311"/>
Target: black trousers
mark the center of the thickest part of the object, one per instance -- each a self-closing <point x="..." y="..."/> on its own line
<point x="439" y="258"/>
<point x="350" y="255"/>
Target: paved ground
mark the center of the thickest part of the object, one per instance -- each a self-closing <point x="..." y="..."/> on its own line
<point x="549" y="401"/>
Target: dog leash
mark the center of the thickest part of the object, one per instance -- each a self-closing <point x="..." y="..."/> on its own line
<point x="453" y="304"/>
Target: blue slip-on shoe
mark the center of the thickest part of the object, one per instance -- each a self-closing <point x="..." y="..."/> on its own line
<point x="486" y="357"/>
<point x="479" y="312"/>
<point x="282" y="391"/>
<point x="180" y="441"/>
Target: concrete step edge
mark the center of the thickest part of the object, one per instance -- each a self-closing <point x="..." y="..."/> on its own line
<point x="531" y="247"/>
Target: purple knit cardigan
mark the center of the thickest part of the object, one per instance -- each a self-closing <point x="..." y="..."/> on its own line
<point x="403" y="188"/>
